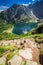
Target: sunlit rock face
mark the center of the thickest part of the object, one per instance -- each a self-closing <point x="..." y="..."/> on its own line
<point x="2" y="60"/>
<point x="31" y="63"/>
<point x="26" y="53"/>
<point x="16" y="60"/>
<point x="30" y="43"/>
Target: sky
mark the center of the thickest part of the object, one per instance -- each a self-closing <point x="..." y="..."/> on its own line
<point x="4" y="4"/>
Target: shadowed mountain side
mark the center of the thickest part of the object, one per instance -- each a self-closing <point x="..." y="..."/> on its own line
<point x="37" y="9"/>
<point x="17" y="13"/>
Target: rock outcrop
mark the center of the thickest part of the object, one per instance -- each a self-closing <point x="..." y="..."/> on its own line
<point x="2" y="60"/>
<point x="26" y="53"/>
<point x="16" y="60"/>
<point x="31" y="63"/>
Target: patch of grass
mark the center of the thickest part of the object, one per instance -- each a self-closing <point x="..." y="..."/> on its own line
<point x="11" y="54"/>
<point x="2" y="64"/>
<point x="8" y="36"/>
<point x="24" y="63"/>
<point x="3" y="49"/>
<point x="38" y="38"/>
<point x="11" y="36"/>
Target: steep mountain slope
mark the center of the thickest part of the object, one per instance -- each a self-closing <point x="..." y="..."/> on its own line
<point x="20" y="13"/>
<point x="37" y="9"/>
<point x="17" y="13"/>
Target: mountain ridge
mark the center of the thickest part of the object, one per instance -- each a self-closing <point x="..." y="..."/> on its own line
<point x="23" y="13"/>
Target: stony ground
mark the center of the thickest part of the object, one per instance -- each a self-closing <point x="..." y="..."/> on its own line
<point x="28" y="52"/>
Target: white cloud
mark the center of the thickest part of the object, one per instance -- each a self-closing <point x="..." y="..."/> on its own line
<point x="3" y="8"/>
<point x="33" y="0"/>
<point x="25" y="4"/>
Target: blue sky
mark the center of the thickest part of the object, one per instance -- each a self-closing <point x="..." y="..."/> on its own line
<point x="4" y="4"/>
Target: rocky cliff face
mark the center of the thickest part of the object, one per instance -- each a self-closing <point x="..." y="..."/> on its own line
<point x="17" y="13"/>
<point x="37" y="9"/>
<point x="23" y="13"/>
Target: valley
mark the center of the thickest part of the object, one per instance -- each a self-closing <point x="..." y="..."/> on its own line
<point x="21" y="35"/>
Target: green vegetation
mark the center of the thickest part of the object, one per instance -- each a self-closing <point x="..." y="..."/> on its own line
<point x="9" y="48"/>
<point x="3" y="49"/>
<point x="24" y="62"/>
<point x="4" y="25"/>
<point x="7" y="36"/>
<point x="13" y="51"/>
<point x="2" y="64"/>
<point x="11" y="36"/>
<point x="6" y="32"/>
<point x="8" y="51"/>
<point x="41" y="51"/>
<point x="11" y="54"/>
<point x="39" y="39"/>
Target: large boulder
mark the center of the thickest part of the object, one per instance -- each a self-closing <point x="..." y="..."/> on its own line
<point x="2" y="60"/>
<point x="26" y="53"/>
<point x="30" y="43"/>
<point x="31" y="63"/>
<point x="16" y="60"/>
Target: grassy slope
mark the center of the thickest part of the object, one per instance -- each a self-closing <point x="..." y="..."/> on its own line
<point x="6" y="32"/>
<point x="4" y="26"/>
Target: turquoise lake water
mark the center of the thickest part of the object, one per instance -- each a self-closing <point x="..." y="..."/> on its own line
<point x="21" y="28"/>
